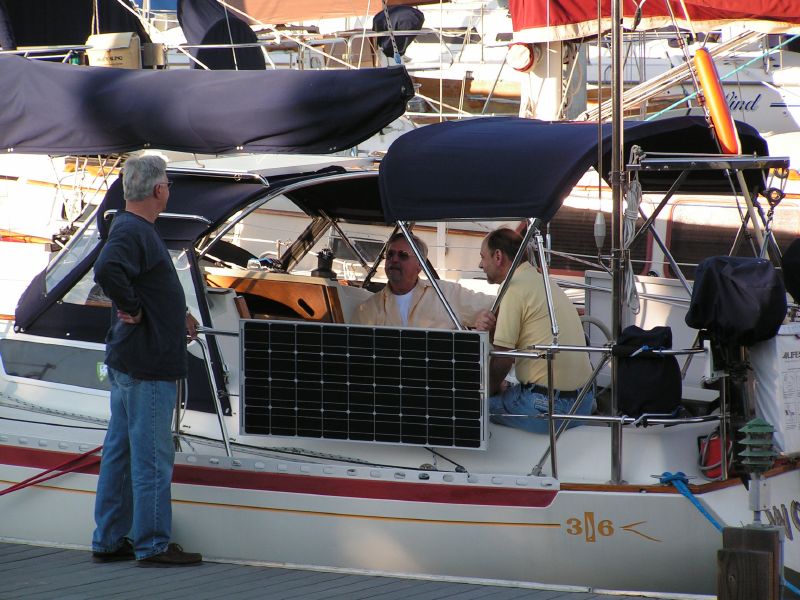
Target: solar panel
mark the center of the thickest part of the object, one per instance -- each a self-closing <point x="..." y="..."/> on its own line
<point x="371" y="384"/>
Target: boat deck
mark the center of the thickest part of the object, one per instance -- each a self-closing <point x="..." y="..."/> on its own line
<point x="46" y="573"/>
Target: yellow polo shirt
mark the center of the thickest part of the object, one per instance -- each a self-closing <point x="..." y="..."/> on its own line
<point x="523" y="320"/>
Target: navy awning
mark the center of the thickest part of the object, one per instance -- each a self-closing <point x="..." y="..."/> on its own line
<point x="203" y="202"/>
<point x="509" y="168"/>
<point x="66" y="109"/>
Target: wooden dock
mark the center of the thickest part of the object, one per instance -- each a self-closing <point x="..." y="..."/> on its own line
<point x="45" y="573"/>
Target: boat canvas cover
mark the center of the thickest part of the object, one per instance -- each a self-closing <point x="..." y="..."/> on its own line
<point x="506" y="168"/>
<point x="551" y="20"/>
<point x="7" y="39"/>
<point x="56" y="22"/>
<point x="207" y="22"/>
<point x="55" y="108"/>
<point x="210" y="198"/>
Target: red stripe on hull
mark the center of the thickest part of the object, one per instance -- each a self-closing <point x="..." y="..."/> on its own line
<point x="442" y="493"/>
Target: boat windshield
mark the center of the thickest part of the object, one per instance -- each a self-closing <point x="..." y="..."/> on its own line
<point x="86" y="292"/>
<point x="76" y="250"/>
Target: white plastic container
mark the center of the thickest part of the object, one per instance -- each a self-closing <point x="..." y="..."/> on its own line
<point x="776" y="367"/>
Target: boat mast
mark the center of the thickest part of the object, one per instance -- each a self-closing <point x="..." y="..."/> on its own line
<point x="617" y="263"/>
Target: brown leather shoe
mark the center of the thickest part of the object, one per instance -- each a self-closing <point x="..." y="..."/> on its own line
<point x="124" y="552"/>
<point x="173" y="556"/>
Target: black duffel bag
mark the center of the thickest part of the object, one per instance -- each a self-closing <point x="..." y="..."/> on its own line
<point x="648" y="382"/>
<point x="737" y="300"/>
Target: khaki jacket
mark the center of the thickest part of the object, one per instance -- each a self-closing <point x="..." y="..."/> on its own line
<point x="426" y="309"/>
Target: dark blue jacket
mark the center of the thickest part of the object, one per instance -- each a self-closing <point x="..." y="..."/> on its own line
<point x="135" y="270"/>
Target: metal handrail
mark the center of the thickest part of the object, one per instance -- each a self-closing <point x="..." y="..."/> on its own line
<point x="214" y="388"/>
<point x="426" y="268"/>
<point x="643" y="420"/>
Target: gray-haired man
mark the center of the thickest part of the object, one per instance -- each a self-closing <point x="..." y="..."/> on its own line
<point x="146" y="355"/>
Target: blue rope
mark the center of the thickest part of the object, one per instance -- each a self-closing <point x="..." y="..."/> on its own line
<point x="679" y="480"/>
<point x="791" y="588"/>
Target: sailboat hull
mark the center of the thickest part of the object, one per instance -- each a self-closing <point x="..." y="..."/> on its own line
<point x="378" y="519"/>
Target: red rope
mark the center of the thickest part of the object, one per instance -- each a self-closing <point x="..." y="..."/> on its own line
<point x="68" y="466"/>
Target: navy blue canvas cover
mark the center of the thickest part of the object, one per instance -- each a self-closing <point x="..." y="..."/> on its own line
<point x="7" y="38"/>
<point x="208" y="22"/>
<point x="510" y="168"/>
<point x="739" y="300"/>
<point x="69" y="22"/>
<point x="401" y="18"/>
<point x="56" y="108"/>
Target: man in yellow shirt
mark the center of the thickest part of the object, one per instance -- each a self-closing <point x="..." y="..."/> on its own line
<point x="523" y="319"/>
<point x="408" y="301"/>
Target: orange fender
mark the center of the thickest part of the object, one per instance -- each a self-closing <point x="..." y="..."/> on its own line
<point x="718" y="108"/>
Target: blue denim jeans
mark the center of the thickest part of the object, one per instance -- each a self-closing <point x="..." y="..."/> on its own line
<point x="133" y="491"/>
<point x="522" y="400"/>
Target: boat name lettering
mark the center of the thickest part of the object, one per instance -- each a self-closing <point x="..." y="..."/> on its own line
<point x="789" y="518"/>
<point x="737" y="103"/>
<point x="587" y="527"/>
<point x="791" y="355"/>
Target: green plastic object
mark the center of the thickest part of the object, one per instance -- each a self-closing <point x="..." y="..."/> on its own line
<point x="758" y="454"/>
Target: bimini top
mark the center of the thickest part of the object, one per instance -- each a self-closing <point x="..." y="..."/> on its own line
<point x="510" y="168"/>
<point x="54" y="108"/>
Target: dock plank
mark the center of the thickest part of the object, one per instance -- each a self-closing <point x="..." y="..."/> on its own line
<point x="30" y="572"/>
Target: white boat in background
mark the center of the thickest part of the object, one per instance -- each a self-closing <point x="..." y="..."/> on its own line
<point x="345" y="459"/>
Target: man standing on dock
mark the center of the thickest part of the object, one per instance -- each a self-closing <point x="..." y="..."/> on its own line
<point x="146" y="356"/>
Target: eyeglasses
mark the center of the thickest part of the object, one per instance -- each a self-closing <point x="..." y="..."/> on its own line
<point x="167" y="183"/>
<point x="400" y="254"/>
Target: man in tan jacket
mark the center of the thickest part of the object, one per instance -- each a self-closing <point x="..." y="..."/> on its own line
<point x="408" y="301"/>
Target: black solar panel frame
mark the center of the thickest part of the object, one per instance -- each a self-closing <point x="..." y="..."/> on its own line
<point x="385" y="385"/>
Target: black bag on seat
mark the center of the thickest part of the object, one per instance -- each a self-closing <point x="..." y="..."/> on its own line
<point x="648" y="382"/>
<point x="737" y="300"/>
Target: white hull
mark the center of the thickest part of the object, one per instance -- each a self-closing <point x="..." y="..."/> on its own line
<point x="504" y="526"/>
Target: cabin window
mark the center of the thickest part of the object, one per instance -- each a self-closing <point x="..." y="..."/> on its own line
<point x="88" y="293"/>
<point x="183" y="267"/>
<point x="78" y="248"/>
<point x="67" y="365"/>
<point x="701" y="229"/>
<point x="369" y="249"/>
<point x="572" y="232"/>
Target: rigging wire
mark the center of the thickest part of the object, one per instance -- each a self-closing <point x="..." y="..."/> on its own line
<point x="230" y="38"/>
<point x="390" y="29"/>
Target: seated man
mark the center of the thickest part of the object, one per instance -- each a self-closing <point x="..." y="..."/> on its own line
<point x="408" y="301"/>
<point x="523" y="320"/>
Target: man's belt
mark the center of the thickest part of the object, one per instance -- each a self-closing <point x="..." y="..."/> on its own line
<point x="541" y="389"/>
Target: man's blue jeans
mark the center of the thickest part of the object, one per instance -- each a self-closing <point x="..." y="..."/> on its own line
<point x="133" y="491"/>
<point x="523" y="400"/>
